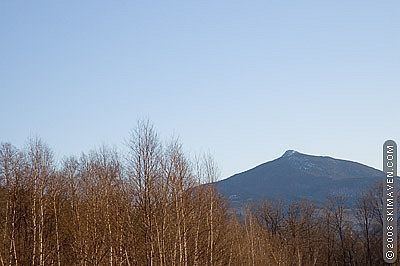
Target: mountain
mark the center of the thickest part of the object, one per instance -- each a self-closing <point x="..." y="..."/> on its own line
<point x="295" y="176"/>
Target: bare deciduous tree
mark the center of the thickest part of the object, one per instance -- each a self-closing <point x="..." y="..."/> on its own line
<point x="159" y="207"/>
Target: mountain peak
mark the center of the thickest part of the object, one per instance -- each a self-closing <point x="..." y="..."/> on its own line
<point x="290" y="153"/>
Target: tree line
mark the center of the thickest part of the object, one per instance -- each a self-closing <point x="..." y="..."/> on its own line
<point x="152" y="206"/>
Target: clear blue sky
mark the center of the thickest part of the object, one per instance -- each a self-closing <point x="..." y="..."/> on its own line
<point x="245" y="80"/>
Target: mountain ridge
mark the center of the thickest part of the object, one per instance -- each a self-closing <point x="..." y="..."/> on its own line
<point x="295" y="176"/>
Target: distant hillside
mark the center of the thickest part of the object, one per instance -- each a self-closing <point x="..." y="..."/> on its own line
<point x="296" y="176"/>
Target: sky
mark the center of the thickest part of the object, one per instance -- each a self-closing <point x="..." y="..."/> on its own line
<point x="243" y="80"/>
